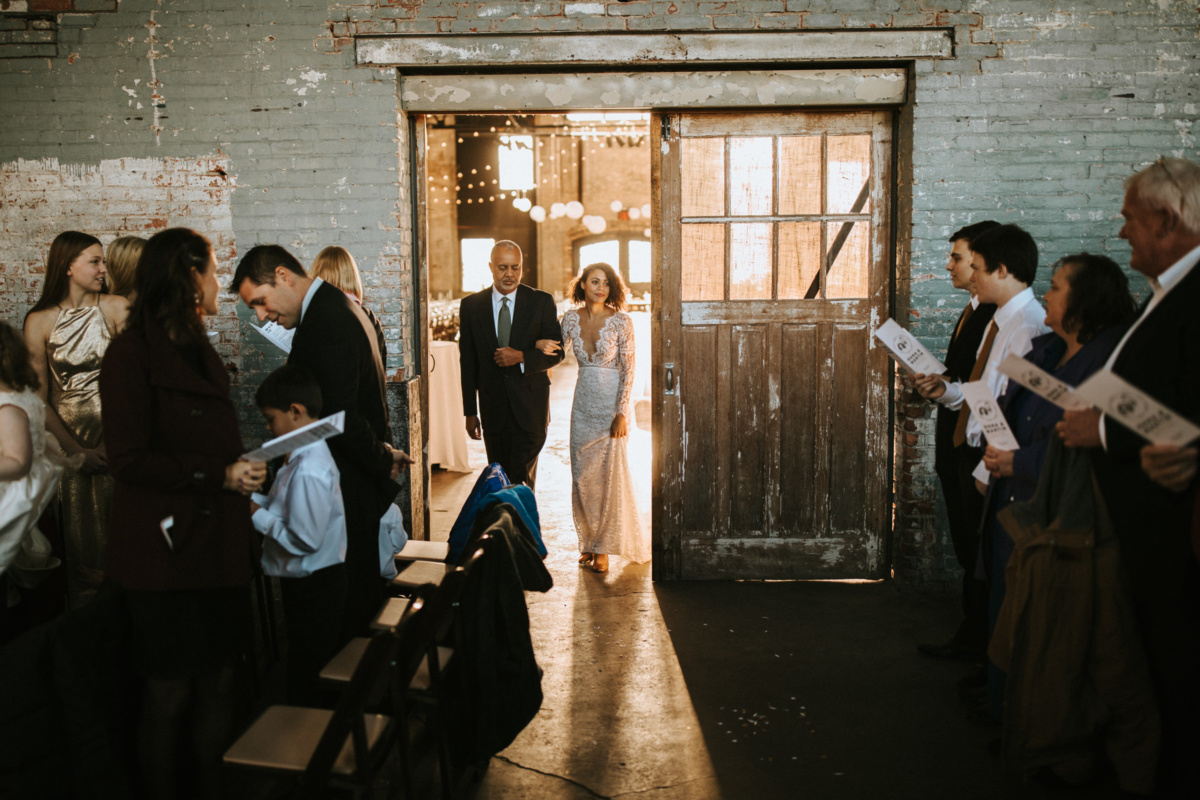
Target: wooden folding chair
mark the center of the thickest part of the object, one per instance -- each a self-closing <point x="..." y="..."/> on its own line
<point x="423" y="551"/>
<point x="419" y="573"/>
<point x="418" y="674"/>
<point x="343" y="748"/>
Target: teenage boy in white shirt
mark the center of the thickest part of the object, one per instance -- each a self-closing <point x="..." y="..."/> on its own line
<point x="1004" y="263"/>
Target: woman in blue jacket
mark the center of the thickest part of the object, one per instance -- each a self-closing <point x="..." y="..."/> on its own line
<point x="1088" y="308"/>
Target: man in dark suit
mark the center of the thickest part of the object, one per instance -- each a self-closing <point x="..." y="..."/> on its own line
<point x="335" y="341"/>
<point x="1149" y="489"/>
<point x="964" y="504"/>
<point x="499" y="328"/>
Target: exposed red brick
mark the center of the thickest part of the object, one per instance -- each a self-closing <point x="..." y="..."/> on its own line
<point x="41" y="6"/>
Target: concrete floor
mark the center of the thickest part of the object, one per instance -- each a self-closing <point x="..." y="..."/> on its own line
<point x="748" y="689"/>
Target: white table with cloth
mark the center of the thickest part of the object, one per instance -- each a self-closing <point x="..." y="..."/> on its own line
<point x="447" y="432"/>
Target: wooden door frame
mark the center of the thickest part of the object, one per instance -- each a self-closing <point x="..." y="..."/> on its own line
<point x="666" y="560"/>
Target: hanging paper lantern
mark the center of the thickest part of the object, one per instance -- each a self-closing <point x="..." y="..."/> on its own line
<point x="522" y="204"/>
<point x="635" y="213"/>
<point x="557" y="210"/>
<point x="646" y="210"/>
<point x="574" y="209"/>
<point x="646" y="233"/>
<point x="616" y="206"/>
<point x="537" y="214"/>
<point x="595" y="224"/>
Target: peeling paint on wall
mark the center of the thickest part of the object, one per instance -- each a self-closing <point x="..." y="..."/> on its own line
<point x="311" y="79"/>
<point x="157" y="100"/>
<point x="122" y="197"/>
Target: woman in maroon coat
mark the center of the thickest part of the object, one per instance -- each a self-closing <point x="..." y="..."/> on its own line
<point x="182" y="545"/>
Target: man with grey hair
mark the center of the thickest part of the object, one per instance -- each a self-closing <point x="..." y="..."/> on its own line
<point x="1150" y="489"/>
<point x="498" y="332"/>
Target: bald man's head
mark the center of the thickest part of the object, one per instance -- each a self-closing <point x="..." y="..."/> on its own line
<point x="506" y="266"/>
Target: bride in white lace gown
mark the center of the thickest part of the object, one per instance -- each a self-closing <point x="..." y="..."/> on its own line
<point x="602" y="492"/>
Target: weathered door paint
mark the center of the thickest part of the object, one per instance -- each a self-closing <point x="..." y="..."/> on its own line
<point x="771" y="404"/>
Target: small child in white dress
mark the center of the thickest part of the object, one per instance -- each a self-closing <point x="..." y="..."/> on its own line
<point x="28" y="477"/>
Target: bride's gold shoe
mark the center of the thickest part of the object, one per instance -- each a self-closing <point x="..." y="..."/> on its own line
<point x="598" y="565"/>
<point x="586" y="559"/>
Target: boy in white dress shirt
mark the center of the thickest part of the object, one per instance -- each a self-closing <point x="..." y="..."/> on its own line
<point x="303" y="522"/>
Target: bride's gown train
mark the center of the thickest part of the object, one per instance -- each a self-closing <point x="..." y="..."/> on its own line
<point x="602" y="493"/>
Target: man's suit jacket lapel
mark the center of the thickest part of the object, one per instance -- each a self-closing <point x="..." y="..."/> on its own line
<point x="958" y="326"/>
<point x="523" y="315"/>
<point x="487" y="325"/>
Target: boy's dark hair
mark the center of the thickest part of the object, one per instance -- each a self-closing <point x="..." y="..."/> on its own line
<point x="258" y="266"/>
<point x="1011" y="246"/>
<point x="15" y="367"/>
<point x="290" y="384"/>
<point x="969" y="232"/>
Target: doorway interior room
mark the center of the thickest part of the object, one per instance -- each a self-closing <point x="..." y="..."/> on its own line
<point x="570" y="189"/>
<point x="758" y="248"/>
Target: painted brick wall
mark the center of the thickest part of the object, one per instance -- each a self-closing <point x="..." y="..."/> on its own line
<point x="1042" y="112"/>
<point x="125" y="197"/>
<point x="267" y="93"/>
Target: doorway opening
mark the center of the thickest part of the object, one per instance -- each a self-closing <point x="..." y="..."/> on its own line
<point x="570" y="189"/>
<point x="767" y="405"/>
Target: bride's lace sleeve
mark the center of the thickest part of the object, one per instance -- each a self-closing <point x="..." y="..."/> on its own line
<point x="569" y="324"/>
<point x="624" y="364"/>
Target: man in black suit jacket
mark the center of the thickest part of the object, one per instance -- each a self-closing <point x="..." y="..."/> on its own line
<point x="964" y="504"/>
<point x="335" y="341"/>
<point x="498" y="330"/>
<point x="1149" y="489"/>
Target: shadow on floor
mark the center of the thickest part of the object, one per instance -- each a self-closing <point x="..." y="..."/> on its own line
<point x="816" y="689"/>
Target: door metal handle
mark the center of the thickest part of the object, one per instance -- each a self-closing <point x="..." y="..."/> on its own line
<point x="670" y="378"/>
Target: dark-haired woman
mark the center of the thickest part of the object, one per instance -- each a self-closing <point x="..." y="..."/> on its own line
<point x="1088" y="308"/>
<point x="67" y="333"/>
<point x="182" y="543"/>
<point x="602" y="494"/>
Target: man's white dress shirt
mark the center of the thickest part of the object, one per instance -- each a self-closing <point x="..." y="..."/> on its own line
<point x="308" y="296"/>
<point x="496" y="304"/>
<point x="1018" y="322"/>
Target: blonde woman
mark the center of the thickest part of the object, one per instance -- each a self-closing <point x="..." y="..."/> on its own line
<point x="121" y="259"/>
<point x="337" y="267"/>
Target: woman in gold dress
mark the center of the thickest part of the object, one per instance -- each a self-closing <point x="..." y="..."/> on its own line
<point x="67" y="332"/>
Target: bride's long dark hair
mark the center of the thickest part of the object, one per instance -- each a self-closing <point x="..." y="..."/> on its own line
<point x="616" y="287"/>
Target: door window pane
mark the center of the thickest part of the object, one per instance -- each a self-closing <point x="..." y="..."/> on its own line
<point x="516" y="163"/>
<point x="703" y="276"/>
<point x="848" y="170"/>
<point x="609" y="252"/>
<point x="799" y="259"/>
<point x="702" y="189"/>
<point x="476" y="253"/>
<point x="750" y="186"/>
<point x="847" y="277"/>
<point x="800" y="175"/>
<point x="750" y="261"/>
<point x="639" y="262"/>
